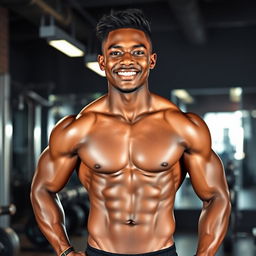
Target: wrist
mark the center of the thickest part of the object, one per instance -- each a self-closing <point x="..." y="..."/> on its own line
<point x="67" y="251"/>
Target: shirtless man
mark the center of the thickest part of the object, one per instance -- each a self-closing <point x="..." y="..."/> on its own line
<point x="133" y="149"/>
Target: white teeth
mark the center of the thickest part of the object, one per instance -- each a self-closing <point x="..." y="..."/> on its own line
<point x="126" y="73"/>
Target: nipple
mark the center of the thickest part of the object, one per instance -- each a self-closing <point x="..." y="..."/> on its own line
<point x="97" y="166"/>
<point x="164" y="164"/>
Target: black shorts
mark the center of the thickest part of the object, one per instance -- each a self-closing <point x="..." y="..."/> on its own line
<point x="170" y="251"/>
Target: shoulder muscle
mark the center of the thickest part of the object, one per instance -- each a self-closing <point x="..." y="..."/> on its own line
<point x="198" y="135"/>
<point x="68" y="132"/>
<point x="192" y="129"/>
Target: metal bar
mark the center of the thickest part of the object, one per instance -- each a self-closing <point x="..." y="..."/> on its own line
<point x="37" y="133"/>
<point x="5" y="145"/>
<point x="34" y="136"/>
<point x="49" y="10"/>
<point x="31" y="146"/>
<point x="38" y="99"/>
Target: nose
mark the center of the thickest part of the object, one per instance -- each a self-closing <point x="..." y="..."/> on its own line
<point x="127" y="59"/>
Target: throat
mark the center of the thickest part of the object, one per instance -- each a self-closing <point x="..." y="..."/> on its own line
<point x="129" y="105"/>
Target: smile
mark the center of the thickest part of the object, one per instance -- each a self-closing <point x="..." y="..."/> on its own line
<point x="126" y="73"/>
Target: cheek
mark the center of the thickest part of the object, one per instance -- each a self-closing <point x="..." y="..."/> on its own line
<point x="145" y="64"/>
<point x="110" y="64"/>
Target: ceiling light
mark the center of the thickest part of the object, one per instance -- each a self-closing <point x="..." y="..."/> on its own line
<point x="62" y="41"/>
<point x="183" y="95"/>
<point x="235" y="94"/>
<point x="92" y="63"/>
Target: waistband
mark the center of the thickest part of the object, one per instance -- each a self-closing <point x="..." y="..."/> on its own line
<point x="169" y="251"/>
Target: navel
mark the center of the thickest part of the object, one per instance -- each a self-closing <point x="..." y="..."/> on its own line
<point x="164" y="164"/>
<point x="97" y="166"/>
<point x="130" y="222"/>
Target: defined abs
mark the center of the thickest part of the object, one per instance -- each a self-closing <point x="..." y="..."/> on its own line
<point x="121" y="232"/>
<point x="131" y="203"/>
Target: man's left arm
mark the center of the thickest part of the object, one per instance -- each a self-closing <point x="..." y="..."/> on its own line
<point x="209" y="182"/>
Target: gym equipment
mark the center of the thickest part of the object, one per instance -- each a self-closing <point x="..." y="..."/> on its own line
<point x="5" y="145"/>
<point x="75" y="217"/>
<point x="8" y="210"/>
<point x="76" y="206"/>
<point x="231" y="236"/>
<point x="9" y="240"/>
<point x="85" y="205"/>
<point x="77" y="193"/>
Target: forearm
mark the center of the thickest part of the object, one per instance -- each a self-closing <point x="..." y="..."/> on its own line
<point x="50" y="218"/>
<point x="213" y="225"/>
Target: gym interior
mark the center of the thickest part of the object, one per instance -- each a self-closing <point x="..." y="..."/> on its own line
<point x="206" y="65"/>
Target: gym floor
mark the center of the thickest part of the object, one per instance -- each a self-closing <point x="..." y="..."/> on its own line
<point x="185" y="243"/>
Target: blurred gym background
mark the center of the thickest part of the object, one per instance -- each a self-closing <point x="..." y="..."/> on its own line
<point x="206" y="64"/>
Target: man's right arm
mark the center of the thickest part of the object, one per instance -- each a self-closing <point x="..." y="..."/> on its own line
<point x="54" y="169"/>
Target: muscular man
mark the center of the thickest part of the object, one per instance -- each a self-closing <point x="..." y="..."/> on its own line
<point x="133" y="149"/>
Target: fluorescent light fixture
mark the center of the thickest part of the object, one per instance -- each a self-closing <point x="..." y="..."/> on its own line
<point x="235" y="94"/>
<point x="183" y="95"/>
<point x="66" y="47"/>
<point x="62" y="41"/>
<point x="92" y="63"/>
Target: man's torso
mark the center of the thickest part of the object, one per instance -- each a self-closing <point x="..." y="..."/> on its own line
<point x="131" y="171"/>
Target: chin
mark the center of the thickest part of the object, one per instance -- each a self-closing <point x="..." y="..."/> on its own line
<point x="128" y="90"/>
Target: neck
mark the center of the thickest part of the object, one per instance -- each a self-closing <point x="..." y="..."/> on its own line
<point x="129" y="105"/>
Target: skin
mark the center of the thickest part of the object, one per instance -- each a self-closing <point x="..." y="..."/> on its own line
<point x="133" y="150"/>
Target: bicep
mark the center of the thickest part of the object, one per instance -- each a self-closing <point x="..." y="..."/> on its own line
<point x="203" y="165"/>
<point x="52" y="173"/>
<point x="206" y="174"/>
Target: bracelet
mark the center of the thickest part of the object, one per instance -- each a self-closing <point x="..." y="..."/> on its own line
<point x="67" y="251"/>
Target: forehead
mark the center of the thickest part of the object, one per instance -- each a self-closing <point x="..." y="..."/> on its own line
<point x="126" y="36"/>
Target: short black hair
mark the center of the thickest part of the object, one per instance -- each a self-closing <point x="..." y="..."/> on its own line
<point x="129" y="18"/>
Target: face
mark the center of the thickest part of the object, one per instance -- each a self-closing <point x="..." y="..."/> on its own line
<point x="127" y="59"/>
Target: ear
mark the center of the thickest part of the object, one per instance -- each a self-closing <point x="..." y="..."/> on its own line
<point x="153" y="58"/>
<point x="101" y="62"/>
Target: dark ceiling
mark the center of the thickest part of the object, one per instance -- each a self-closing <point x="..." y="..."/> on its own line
<point x="204" y="43"/>
<point x="191" y="17"/>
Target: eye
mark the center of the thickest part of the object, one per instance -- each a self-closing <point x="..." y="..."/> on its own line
<point x="138" y="53"/>
<point x="115" y="53"/>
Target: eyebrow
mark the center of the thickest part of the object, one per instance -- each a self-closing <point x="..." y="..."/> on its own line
<point x="116" y="46"/>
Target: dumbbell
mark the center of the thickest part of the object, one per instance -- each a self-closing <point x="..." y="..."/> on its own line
<point x="9" y="240"/>
<point x="76" y="205"/>
<point x="74" y="194"/>
<point x="85" y="205"/>
<point x="75" y="218"/>
<point x="8" y="210"/>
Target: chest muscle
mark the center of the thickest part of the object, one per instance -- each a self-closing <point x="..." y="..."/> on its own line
<point x="114" y="145"/>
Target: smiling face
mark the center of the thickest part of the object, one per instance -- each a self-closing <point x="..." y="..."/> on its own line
<point x="127" y="58"/>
